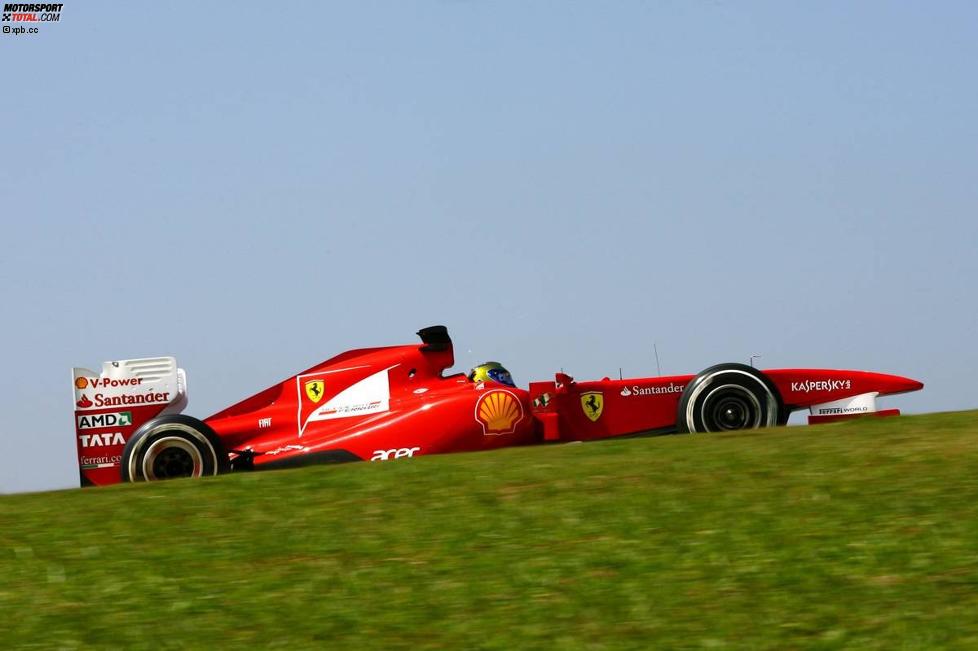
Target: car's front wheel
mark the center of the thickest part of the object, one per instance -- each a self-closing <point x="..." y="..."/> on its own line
<point x="173" y="446"/>
<point x="729" y="397"/>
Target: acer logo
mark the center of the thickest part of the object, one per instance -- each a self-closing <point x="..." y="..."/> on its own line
<point x="101" y="440"/>
<point x="396" y="453"/>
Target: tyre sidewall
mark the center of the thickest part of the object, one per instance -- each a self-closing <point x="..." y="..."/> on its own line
<point x="689" y="411"/>
<point x="214" y="458"/>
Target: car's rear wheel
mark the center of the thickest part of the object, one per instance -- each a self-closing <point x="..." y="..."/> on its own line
<point x="173" y="446"/>
<point x="729" y="397"/>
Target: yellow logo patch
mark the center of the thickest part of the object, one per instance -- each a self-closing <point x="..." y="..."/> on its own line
<point x="314" y="390"/>
<point x="592" y="402"/>
<point x="498" y="412"/>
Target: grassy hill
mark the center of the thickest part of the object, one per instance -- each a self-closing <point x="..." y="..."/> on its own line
<point x="857" y="535"/>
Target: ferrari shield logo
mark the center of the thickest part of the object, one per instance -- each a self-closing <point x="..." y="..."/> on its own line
<point x="314" y="390"/>
<point x="592" y="402"/>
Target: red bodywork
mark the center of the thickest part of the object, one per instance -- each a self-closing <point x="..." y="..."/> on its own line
<point x="394" y="402"/>
<point x="404" y="407"/>
<point x="649" y="405"/>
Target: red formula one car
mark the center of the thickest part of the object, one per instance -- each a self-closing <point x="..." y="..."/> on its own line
<point x="394" y="402"/>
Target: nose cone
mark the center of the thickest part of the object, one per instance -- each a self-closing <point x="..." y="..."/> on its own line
<point x="890" y="384"/>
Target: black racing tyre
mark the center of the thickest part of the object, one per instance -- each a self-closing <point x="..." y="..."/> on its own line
<point x="172" y="446"/>
<point x="729" y="397"/>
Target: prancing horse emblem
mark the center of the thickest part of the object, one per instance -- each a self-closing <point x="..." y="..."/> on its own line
<point x="592" y="402"/>
<point x="314" y="390"/>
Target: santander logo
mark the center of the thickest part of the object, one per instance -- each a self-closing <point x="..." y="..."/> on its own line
<point x="638" y="390"/>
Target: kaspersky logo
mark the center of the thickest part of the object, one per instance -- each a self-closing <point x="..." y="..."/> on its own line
<point x="112" y="419"/>
<point x="820" y="385"/>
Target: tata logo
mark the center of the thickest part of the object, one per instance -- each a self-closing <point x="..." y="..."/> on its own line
<point x="101" y="440"/>
<point x="99" y="421"/>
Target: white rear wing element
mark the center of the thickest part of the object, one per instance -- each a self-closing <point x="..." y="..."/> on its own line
<point x="131" y="382"/>
<point x="110" y="405"/>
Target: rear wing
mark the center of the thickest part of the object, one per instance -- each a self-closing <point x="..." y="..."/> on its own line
<point x="110" y="405"/>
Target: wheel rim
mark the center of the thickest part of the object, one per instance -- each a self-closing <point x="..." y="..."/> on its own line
<point x="730" y="407"/>
<point x="731" y="413"/>
<point x="142" y="455"/>
<point x="172" y="457"/>
<point x="745" y="386"/>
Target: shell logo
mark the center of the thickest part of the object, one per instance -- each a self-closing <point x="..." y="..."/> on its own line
<point x="81" y="383"/>
<point x="498" y="412"/>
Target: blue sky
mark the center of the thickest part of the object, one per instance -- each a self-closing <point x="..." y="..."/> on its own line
<point x="253" y="188"/>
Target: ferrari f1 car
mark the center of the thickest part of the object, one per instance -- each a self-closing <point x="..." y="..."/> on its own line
<point x="395" y="402"/>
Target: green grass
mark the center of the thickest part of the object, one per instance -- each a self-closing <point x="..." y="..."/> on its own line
<point x="859" y="535"/>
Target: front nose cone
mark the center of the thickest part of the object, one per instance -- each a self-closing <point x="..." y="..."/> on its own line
<point x="890" y="384"/>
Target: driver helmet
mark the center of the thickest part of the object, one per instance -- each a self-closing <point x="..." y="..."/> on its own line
<point x="491" y="371"/>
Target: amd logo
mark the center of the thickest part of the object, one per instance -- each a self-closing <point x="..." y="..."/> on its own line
<point x="112" y="419"/>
